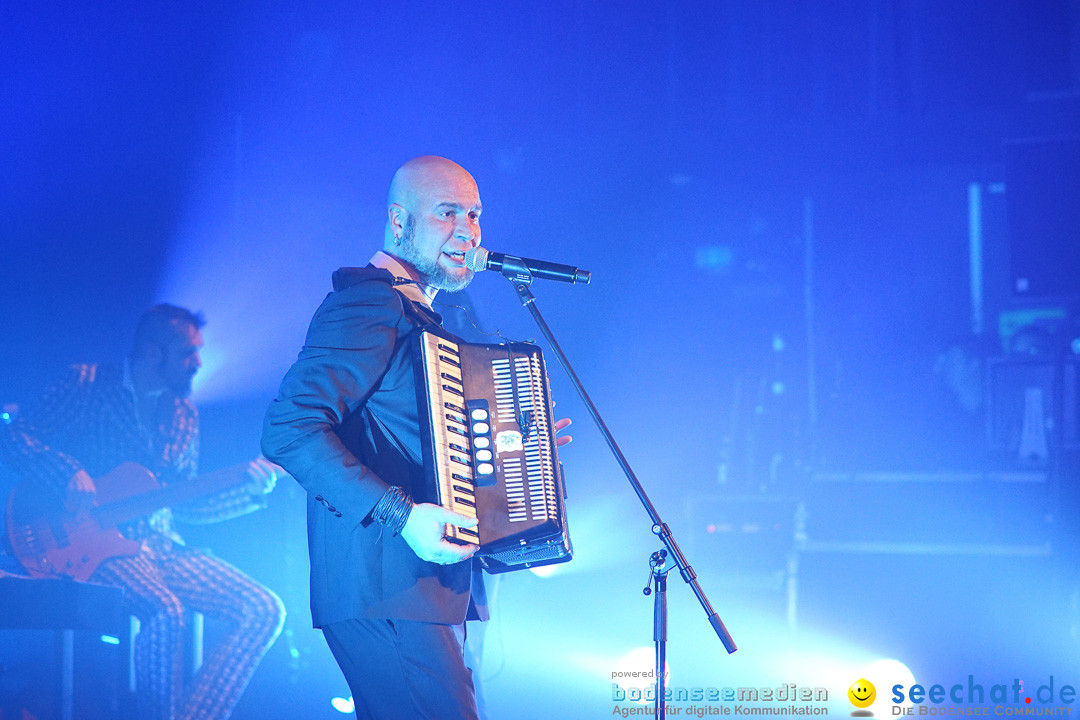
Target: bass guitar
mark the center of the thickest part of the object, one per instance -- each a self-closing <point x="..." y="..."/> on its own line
<point x="54" y="543"/>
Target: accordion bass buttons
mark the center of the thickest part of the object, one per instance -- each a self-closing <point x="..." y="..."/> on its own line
<point x="480" y="429"/>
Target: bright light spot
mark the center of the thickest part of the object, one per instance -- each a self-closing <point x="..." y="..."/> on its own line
<point x="110" y="640"/>
<point x="642" y="658"/>
<point x="343" y="705"/>
<point x="884" y="674"/>
<point x="546" y="571"/>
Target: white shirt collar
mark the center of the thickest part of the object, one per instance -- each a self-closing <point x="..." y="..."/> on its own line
<point x="411" y="288"/>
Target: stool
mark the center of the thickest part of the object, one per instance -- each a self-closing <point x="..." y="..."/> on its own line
<point x="31" y="609"/>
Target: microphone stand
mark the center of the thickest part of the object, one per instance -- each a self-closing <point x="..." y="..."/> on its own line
<point x="521" y="278"/>
<point x="658" y="576"/>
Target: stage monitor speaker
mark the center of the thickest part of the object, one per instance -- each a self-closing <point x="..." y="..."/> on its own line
<point x="1032" y="410"/>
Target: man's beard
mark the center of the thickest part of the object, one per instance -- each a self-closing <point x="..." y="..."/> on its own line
<point x="431" y="272"/>
<point x="178" y="385"/>
<point x="183" y="388"/>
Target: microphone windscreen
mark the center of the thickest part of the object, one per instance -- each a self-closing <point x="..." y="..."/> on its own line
<point x="476" y="259"/>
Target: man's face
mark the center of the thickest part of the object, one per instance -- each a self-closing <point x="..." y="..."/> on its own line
<point x="180" y="359"/>
<point x="443" y="223"/>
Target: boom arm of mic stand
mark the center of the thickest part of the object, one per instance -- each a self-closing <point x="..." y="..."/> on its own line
<point x="522" y="279"/>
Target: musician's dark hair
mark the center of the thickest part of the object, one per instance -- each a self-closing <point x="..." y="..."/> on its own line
<point x="159" y="325"/>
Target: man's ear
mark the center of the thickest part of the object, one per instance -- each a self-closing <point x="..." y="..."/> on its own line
<point x="396" y="216"/>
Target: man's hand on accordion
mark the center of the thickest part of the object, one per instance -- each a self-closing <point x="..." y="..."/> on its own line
<point x="561" y="425"/>
<point x="425" y="532"/>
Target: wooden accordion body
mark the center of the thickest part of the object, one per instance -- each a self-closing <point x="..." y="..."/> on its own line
<point x="489" y="448"/>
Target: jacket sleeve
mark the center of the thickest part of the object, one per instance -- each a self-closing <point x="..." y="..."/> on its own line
<point x="349" y="345"/>
<point x="234" y="501"/>
<point x="25" y="444"/>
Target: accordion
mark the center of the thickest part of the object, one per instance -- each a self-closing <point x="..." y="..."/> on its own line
<point x="489" y="449"/>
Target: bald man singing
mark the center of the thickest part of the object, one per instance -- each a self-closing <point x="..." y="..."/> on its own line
<point x="390" y="593"/>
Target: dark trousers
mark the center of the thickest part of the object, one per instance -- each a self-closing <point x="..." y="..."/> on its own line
<point x="404" y="670"/>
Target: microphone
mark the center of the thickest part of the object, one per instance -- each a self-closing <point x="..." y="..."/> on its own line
<point x="478" y="258"/>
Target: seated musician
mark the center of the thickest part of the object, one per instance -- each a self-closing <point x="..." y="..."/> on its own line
<point x="389" y="591"/>
<point x="100" y="416"/>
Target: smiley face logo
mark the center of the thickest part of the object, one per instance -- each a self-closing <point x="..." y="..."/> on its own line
<point x="862" y="693"/>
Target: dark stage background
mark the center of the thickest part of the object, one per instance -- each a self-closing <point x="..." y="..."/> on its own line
<point x="832" y="324"/>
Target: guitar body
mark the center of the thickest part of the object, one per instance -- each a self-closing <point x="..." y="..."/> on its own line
<point x="51" y="543"/>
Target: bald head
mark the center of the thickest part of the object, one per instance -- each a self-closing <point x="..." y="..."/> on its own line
<point x="419" y="180"/>
<point x="433" y="217"/>
<point x="425" y="172"/>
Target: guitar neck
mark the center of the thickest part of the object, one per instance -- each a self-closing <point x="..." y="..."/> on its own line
<point x="128" y="509"/>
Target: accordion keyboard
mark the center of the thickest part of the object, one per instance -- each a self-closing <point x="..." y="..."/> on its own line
<point x="451" y="451"/>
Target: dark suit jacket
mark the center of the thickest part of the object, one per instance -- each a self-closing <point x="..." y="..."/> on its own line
<point x="345" y="425"/>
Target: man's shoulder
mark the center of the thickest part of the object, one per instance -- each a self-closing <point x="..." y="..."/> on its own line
<point x="364" y="295"/>
<point x="95" y="374"/>
<point x="372" y="278"/>
<point x="366" y="290"/>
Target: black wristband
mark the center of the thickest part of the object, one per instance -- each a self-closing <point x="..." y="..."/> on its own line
<point x="392" y="510"/>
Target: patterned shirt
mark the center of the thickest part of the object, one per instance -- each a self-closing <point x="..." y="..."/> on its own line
<point x="89" y="421"/>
